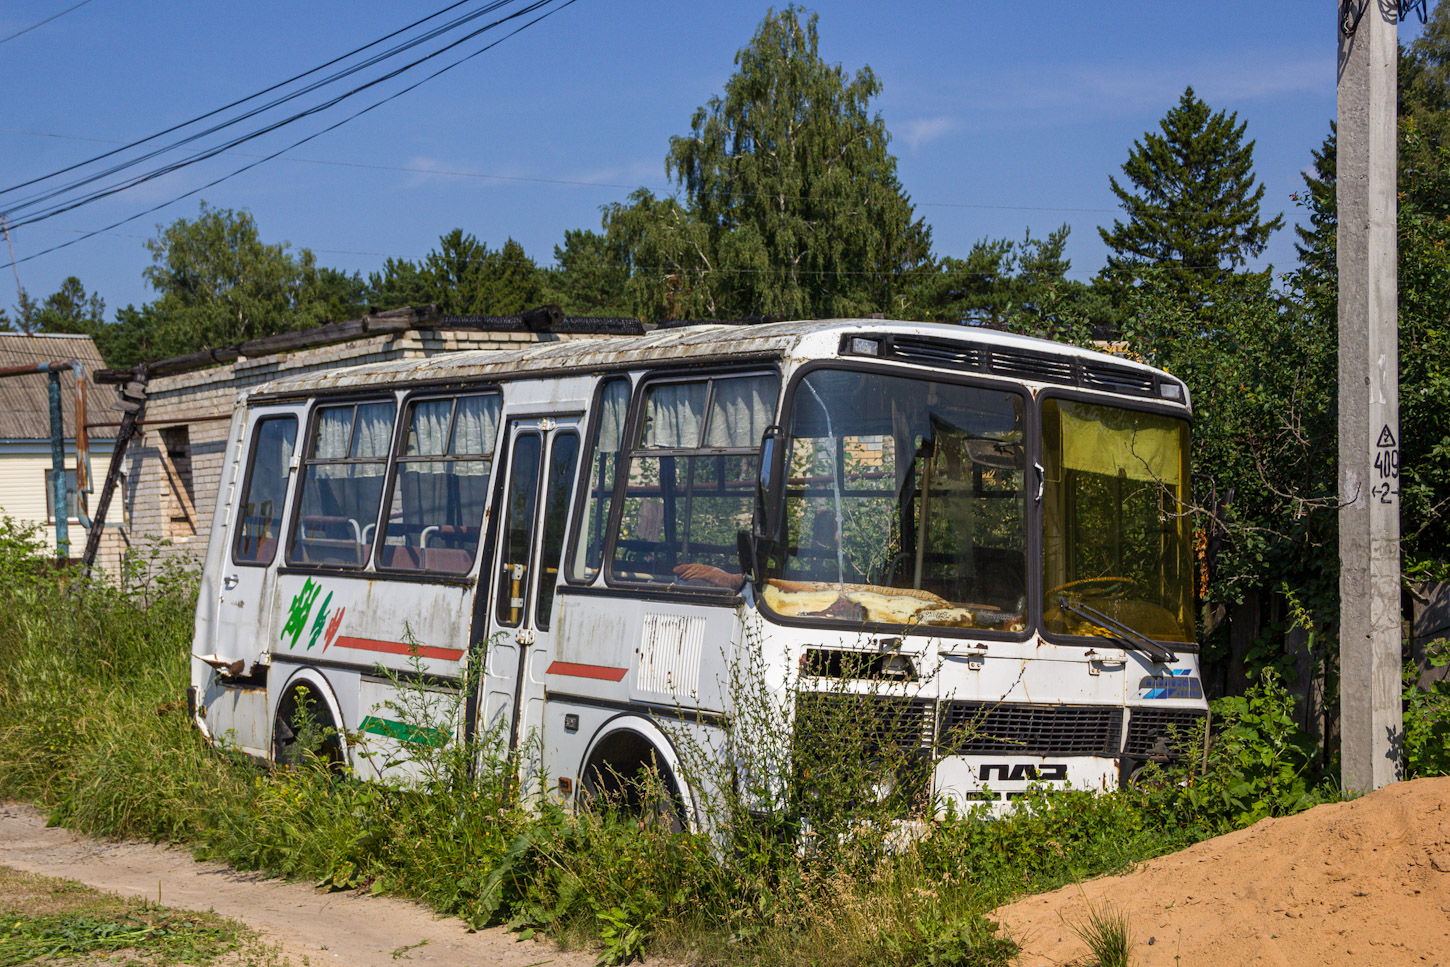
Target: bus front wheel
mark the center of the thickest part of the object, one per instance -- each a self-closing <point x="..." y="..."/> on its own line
<point x="627" y="775"/>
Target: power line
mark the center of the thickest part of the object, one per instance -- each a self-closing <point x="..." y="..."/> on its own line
<point x="211" y="152"/>
<point x="55" y="16"/>
<point x="334" y="126"/>
<point x="227" y="107"/>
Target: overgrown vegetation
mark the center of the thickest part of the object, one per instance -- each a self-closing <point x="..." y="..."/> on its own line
<point x="93" y="728"/>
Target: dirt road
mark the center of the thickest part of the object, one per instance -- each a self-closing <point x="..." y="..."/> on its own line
<point x="324" y="928"/>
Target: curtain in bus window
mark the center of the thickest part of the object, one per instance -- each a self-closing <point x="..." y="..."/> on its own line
<point x="374" y="433"/>
<point x="428" y="432"/>
<point x="608" y="441"/>
<point x="673" y="414"/>
<point x="334" y="434"/>
<point x="682" y="511"/>
<point x="435" y="518"/>
<point x="475" y="428"/>
<point x="1113" y="442"/>
<point x="342" y="485"/>
<point x="259" y="522"/>
<point x="740" y="411"/>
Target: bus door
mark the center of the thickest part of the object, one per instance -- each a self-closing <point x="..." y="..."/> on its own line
<point x="543" y="454"/>
<point x="246" y="587"/>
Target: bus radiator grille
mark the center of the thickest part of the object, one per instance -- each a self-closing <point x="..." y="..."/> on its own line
<point x="1157" y="732"/>
<point x="986" y="728"/>
<point x="906" y="723"/>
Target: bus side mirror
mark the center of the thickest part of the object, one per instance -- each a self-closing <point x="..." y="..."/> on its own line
<point x="767" y="507"/>
<point x="745" y="553"/>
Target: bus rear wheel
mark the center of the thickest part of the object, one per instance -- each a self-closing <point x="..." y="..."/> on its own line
<point x="304" y="731"/>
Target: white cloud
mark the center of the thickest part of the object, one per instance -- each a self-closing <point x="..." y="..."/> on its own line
<point x="920" y="132"/>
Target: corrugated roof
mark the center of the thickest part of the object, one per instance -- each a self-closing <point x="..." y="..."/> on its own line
<point x="24" y="400"/>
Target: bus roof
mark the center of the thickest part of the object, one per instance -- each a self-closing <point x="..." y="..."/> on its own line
<point x="701" y="344"/>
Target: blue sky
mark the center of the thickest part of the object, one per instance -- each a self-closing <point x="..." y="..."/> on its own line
<point x="1004" y="116"/>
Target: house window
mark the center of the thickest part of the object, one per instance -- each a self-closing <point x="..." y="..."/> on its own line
<point x="180" y="509"/>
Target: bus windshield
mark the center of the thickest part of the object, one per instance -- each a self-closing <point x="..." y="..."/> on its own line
<point x="904" y="504"/>
<point x="1114" y="529"/>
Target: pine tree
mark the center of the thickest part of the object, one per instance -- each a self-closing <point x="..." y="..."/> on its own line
<point x="1193" y="207"/>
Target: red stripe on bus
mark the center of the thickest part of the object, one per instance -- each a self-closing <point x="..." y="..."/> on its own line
<point x="601" y="672"/>
<point x="398" y="648"/>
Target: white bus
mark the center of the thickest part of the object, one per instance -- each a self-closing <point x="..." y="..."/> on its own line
<point x="997" y="522"/>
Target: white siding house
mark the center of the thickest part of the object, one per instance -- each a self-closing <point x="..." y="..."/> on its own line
<point x="25" y="456"/>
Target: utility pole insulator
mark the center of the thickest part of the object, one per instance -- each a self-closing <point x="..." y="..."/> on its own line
<point x="1371" y="723"/>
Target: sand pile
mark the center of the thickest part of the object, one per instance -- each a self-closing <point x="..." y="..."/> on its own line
<point x="1364" y="883"/>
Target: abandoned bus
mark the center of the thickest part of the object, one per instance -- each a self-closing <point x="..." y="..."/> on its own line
<point x="597" y="528"/>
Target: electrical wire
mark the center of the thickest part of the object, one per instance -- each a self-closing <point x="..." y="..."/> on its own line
<point x="310" y="137"/>
<point x="55" y="16"/>
<point x="47" y="195"/>
<point x="227" y="107"/>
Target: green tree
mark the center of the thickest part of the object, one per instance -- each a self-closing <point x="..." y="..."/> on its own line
<point x="1424" y="354"/>
<point x="69" y="309"/>
<point x="462" y="276"/>
<point x="401" y="283"/>
<point x="592" y="277"/>
<point x="791" y="204"/>
<point x="219" y="284"/>
<point x="1316" y="244"/>
<point x="1193" y="204"/>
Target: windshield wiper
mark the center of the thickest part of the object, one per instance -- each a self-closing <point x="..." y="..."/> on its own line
<point x="1119" y="631"/>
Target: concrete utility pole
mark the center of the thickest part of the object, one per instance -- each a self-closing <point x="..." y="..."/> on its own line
<point x="1371" y="725"/>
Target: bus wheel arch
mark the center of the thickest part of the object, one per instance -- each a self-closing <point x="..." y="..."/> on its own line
<point x="309" y="689"/>
<point x="624" y="747"/>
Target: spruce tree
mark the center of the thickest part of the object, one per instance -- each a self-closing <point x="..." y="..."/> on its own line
<point x="1193" y="204"/>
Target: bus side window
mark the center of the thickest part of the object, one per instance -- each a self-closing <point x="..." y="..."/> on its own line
<point x="612" y="404"/>
<point x="691" y="481"/>
<point x="342" y="485"/>
<point x="259" y="521"/>
<point x="435" y="514"/>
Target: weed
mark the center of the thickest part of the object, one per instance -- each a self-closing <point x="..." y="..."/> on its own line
<point x="1107" y="936"/>
<point x="45" y="919"/>
<point x="799" y="858"/>
<point x="1427" y="717"/>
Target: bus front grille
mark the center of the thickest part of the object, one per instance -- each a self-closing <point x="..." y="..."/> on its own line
<point x="1160" y="732"/>
<point x="885" y="721"/>
<point x="987" y="728"/>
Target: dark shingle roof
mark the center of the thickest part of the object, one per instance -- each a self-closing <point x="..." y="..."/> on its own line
<point x="24" y="403"/>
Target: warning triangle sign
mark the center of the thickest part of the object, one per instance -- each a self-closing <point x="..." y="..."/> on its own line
<point x="1387" y="439"/>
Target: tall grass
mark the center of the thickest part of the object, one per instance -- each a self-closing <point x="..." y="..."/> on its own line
<point x="796" y="869"/>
